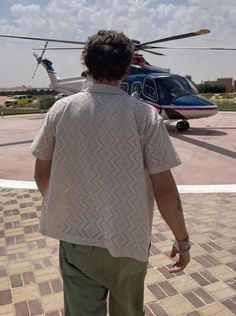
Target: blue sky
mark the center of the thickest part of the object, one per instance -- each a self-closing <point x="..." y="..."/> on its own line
<point x="140" y="19"/>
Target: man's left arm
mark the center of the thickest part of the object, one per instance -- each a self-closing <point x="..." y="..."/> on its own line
<point x="42" y="174"/>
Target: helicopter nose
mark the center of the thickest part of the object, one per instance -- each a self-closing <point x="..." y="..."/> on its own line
<point x="194" y="100"/>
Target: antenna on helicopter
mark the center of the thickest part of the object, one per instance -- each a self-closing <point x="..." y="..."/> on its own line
<point x="39" y="59"/>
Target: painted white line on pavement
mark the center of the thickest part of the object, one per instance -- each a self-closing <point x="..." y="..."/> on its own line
<point x="16" y="184"/>
<point x="215" y="188"/>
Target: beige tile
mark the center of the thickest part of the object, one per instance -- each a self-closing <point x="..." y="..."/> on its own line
<point x="226" y="312"/>
<point x="33" y="237"/>
<point x="153" y="276"/>
<point x="7" y="310"/>
<point x="184" y="283"/>
<point x="226" y="259"/>
<point x="199" y="238"/>
<point x="14" y="231"/>
<point x="202" y="228"/>
<point x="13" y="218"/>
<point x="148" y="296"/>
<point x="176" y="305"/>
<point x="52" y="242"/>
<point x="36" y="254"/>
<point x="164" y="243"/>
<point x="193" y="266"/>
<point x="2" y="242"/>
<point x="16" y="248"/>
<point x="211" y="288"/>
<point x="47" y="274"/>
<point x="24" y="293"/>
<point x="4" y="283"/>
<point x="228" y="274"/>
<point x="18" y="268"/>
<point x="215" y="309"/>
<point x="159" y="260"/>
<point x="223" y="294"/>
<point x="220" y="254"/>
<point x="218" y="269"/>
<point x="32" y="221"/>
<point x="52" y="302"/>
<point x="197" y="251"/>
<point x="3" y="261"/>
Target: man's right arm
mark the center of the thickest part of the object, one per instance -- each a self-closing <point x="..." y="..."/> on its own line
<point x="169" y="204"/>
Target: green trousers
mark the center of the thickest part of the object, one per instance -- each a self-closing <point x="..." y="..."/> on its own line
<point x="90" y="274"/>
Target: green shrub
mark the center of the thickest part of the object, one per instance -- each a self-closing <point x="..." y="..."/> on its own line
<point x="211" y="88"/>
<point x="46" y="102"/>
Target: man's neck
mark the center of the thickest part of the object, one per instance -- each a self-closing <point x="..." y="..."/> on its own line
<point x="115" y="83"/>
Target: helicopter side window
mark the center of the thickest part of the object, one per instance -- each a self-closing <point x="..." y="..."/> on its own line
<point x="124" y="86"/>
<point x="136" y="86"/>
<point x="150" y="90"/>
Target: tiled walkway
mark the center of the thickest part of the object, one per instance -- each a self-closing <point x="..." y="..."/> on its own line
<point x="30" y="281"/>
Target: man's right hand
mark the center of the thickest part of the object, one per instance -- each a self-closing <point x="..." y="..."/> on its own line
<point x="183" y="261"/>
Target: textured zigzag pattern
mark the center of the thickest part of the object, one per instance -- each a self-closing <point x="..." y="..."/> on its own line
<point x="99" y="194"/>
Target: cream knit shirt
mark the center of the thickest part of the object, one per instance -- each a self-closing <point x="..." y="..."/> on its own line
<point x="103" y="144"/>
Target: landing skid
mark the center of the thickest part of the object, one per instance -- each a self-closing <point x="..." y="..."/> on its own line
<point x="182" y="126"/>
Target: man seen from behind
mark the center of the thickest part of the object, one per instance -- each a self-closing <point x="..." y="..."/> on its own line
<point x="101" y="159"/>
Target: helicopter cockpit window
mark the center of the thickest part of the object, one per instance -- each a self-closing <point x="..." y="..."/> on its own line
<point x="150" y="89"/>
<point x="124" y="86"/>
<point x="177" y="86"/>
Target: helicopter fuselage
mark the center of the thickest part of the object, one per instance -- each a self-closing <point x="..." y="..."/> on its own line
<point x="174" y="96"/>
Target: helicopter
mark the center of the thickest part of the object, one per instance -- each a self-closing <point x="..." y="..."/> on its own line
<point x="174" y="96"/>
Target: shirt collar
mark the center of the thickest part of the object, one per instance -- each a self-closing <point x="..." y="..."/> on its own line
<point x="105" y="88"/>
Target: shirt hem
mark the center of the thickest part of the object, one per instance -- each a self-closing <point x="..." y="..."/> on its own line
<point x="114" y="253"/>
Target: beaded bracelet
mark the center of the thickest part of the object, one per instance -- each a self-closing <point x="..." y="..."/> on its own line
<point x="181" y="251"/>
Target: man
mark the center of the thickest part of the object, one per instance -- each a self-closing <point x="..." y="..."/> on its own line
<point x="101" y="156"/>
<point x="137" y="92"/>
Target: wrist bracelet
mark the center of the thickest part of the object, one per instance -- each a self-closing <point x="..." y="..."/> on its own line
<point x="181" y="251"/>
<point x="186" y="239"/>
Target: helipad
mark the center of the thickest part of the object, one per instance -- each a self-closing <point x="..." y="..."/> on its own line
<point x="30" y="282"/>
<point x="207" y="150"/>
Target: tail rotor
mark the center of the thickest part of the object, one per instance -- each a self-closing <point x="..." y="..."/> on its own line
<point x="39" y="59"/>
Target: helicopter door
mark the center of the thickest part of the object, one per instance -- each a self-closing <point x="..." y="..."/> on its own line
<point x="150" y="90"/>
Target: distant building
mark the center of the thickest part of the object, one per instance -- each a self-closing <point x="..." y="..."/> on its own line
<point x="229" y="83"/>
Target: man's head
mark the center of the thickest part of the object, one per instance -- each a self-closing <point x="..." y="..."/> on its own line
<point x="138" y="89"/>
<point x="107" y="55"/>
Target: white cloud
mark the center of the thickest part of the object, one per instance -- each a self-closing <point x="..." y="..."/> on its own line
<point x="29" y="17"/>
<point x="6" y="28"/>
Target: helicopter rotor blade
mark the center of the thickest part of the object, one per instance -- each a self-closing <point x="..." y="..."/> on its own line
<point x="35" y="70"/>
<point x="58" y="48"/>
<point x="199" y="48"/>
<point x="42" y="39"/>
<point x="152" y="52"/>
<point x="175" y="37"/>
<point x="39" y="59"/>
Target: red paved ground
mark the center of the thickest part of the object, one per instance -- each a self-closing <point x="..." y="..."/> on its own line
<point x="207" y="150"/>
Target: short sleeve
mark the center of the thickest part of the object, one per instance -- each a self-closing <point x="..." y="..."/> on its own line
<point x="44" y="141"/>
<point x="159" y="152"/>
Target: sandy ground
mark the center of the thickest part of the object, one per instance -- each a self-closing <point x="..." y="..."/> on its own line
<point x="207" y="149"/>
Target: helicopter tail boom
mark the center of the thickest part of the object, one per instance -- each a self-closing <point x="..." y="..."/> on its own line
<point x="66" y="85"/>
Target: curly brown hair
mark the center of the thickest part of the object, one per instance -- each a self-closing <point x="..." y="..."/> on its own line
<point x="107" y="55"/>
